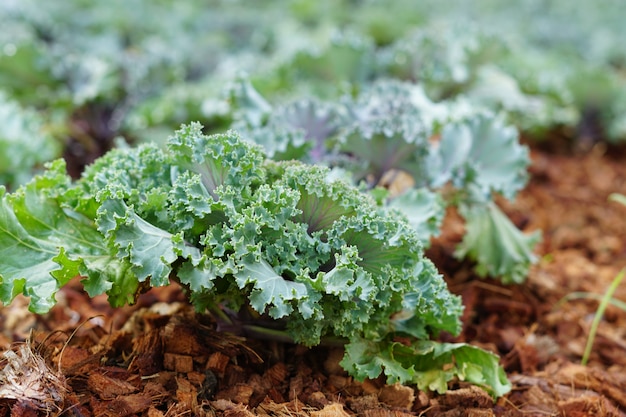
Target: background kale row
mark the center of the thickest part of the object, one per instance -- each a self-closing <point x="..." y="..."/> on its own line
<point x="94" y="73"/>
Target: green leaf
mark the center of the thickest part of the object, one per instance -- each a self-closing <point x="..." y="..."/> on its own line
<point x="149" y="249"/>
<point x="222" y="159"/>
<point x="24" y="144"/>
<point x="42" y="245"/>
<point x="439" y="56"/>
<point x="110" y="275"/>
<point x="269" y="288"/>
<point x="424" y="210"/>
<point x="369" y="359"/>
<point x="349" y="58"/>
<point x="620" y="198"/>
<point x="497" y="246"/>
<point x="250" y="105"/>
<point x="480" y="151"/>
<point x="472" y="364"/>
<point x="300" y="130"/>
<point x="427" y="305"/>
<point x="381" y="242"/>
<point x="430" y="365"/>
<point x="322" y="201"/>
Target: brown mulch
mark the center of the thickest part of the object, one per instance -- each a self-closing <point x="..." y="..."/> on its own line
<point x="160" y="358"/>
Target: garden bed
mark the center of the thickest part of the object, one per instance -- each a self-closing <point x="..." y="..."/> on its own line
<point x="160" y="358"/>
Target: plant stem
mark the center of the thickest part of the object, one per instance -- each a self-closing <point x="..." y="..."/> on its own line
<point x="260" y="332"/>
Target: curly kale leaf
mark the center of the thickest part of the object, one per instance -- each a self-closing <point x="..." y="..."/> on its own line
<point x="220" y="160"/>
<point x="389" y="127"/>
<point x="427" y="364"/>
<point x="44" y="244"/>
<point x="300" y="129"/>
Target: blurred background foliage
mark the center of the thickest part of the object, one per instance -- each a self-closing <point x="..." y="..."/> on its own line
<point x="75" y="74"/>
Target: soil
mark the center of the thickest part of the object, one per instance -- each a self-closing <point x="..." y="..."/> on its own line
<point x="160" y="358"/>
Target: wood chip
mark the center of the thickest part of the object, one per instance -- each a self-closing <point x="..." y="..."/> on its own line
<point x="331" y="410"/>
<point x="122" y="406"/>
<point x="231" y="409"/>
<point x="218" y="362"/>
<point x="178" y="363"/>
<point x="397" y="396"/>
<point x="238" y="393"/>
<point x="107" y="387"/>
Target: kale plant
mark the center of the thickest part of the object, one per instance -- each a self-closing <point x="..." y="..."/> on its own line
<point x="241" y="232"/>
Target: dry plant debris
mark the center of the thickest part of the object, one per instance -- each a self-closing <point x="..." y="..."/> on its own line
<point x="30" y="382"/>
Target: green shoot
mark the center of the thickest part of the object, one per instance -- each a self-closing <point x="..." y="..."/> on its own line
<point x="620" y="198"/>
<point x="599" y="314"/>
<point x="577" y="295"/>
<point x="604" y="300"/>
